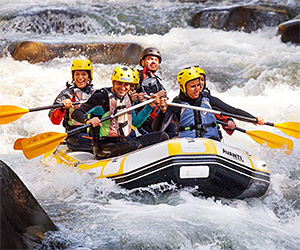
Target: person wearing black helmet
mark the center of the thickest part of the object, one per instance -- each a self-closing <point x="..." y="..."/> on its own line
<point x="150" y="83"/>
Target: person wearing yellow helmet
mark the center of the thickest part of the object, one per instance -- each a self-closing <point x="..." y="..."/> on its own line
<point x="191" y="123"/>
<point x="132" y="92"/>
<point x="230" y="124"/>
<point x="80" y="89"/>
<point x="112" y="137"/>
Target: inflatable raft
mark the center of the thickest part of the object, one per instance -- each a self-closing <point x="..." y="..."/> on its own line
<point x="212" y="167"/>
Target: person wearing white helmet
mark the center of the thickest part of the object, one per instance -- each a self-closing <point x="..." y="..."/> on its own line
<point x="80" y="89"/>
<point x="112" y="137"/>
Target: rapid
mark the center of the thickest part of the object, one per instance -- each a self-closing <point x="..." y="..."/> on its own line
<point x="255" y="72"/>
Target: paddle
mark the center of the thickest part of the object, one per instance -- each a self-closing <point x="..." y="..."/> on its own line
<point x="289" y="128"/>
<point x="270" y="139"/>
<point x="10" y="113"/>
<point x="261" y="137"/>
<point x="45" y="142"/>
<point x="17" y="144"/>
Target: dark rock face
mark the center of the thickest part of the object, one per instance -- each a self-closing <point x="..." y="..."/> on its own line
<point x="244" y="18"/>
<point x="290" y="31"/>
<point x="23" y="220"/>
<point x="106" y="53"/>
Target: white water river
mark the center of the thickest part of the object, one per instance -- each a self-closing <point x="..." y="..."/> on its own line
<point x="256" y="72"/>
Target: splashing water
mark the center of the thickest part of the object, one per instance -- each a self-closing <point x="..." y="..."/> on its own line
<point x="255" y="72"/>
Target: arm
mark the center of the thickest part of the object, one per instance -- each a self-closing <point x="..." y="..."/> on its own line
<point x="56" y="115"/>
<point x="141" y="117"/>
<point x="99" y="98"/>
<point x="164" y="117"/>
<point x="217" y="104"/>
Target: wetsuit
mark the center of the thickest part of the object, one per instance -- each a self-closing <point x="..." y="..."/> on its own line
<point x="80" y="141"/>
<point x="112" y="138"/>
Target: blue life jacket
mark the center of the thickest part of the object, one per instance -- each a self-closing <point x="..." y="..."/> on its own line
<point x="208" y="127"/>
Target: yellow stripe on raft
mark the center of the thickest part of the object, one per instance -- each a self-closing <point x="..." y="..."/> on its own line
<point x="179" y="147"/>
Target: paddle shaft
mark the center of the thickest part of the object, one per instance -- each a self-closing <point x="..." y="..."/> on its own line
<point x="236" y="128"/>
<point x="242" y="118"/>
<point x="45" y="142"/>
<point x="53" y="106"/>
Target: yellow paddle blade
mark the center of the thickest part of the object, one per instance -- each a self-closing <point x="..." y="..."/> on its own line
<point x="17" y="144"/>
<point x="10" y="113"/>
<point x="289" y="128"/>
<point x="272" y="140"/>
<point x="40" y="144"/>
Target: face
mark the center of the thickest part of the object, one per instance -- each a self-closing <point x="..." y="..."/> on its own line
<point x="151" y="63"/>
<point x="81" y="78"/>
<point x="194" y="88"/>
<point x="132" y="86"/>
<point x="120" y="88"/>
<point x="202" y="81"/>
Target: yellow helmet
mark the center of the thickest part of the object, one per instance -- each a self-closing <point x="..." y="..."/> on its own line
<point x="82" y="64"/>
<point x="123" y="74"/>
<point x="200" y="71"/>
<point x="136" y="76"/>
<point x="185" y="76"/>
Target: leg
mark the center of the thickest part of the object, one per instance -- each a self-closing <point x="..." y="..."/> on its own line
<point x="80" y="142"/>
<point x="152" y="138"/>
<point x="108" y="150"/>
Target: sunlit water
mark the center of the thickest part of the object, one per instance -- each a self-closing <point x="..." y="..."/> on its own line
<point x="255" y="72"/>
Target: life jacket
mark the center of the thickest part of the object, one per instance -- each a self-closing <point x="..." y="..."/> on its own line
<point x="206" y="127"/>
<point x="77" y="95"/>
<point x="74" y="94"/>
<point x="149" y="82"/>
<point x="119" y="126"/>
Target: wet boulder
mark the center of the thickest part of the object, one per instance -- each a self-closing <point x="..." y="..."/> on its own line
<point x="243" y="18"/>
<point x="23" y="221"/>
<point x="290" y="31"/>
<point x="106" y="53"/>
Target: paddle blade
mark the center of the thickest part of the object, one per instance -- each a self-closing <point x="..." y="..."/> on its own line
<point x="290" y="128"/>
<point x="10" y="113"/>
<point x="17" y="144"/>
<point x="272" y="140"/>
<point x="40" y="144"/>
